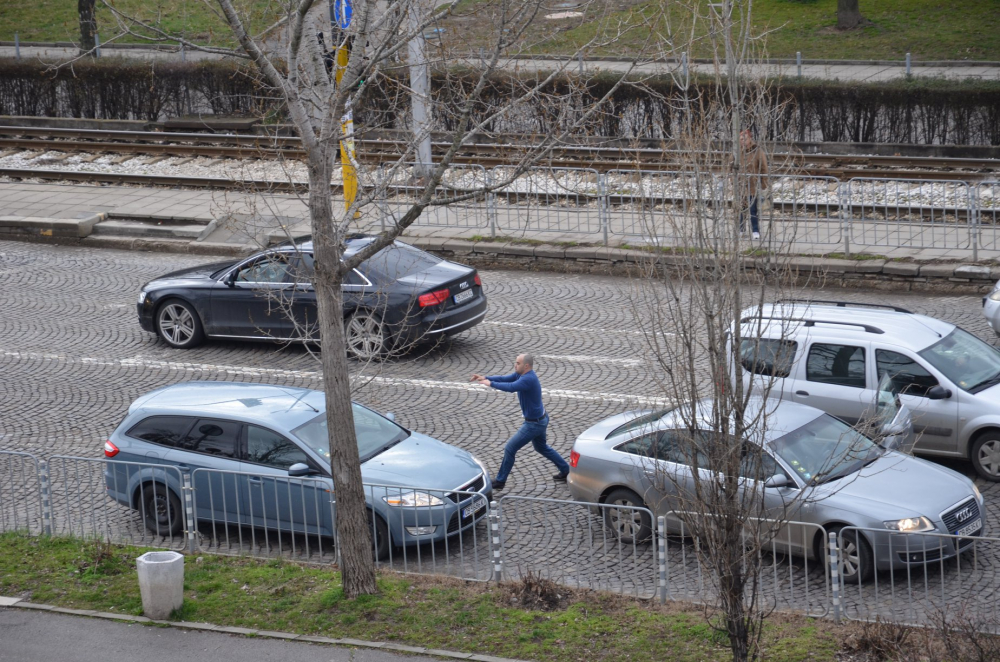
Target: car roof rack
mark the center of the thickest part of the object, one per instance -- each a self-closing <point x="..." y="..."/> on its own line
<point x="812" y="322"/>
<point x="845" y="304"/>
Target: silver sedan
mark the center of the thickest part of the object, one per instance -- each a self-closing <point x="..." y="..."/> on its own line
<point x="814" y="470"/>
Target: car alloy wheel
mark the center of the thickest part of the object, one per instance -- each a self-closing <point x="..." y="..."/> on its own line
<point x="178" y="324"/>
<point x="364" y="336"/>
<point x="856" y="561"/>
<point x="986" y="456"/>
<point x="627" y="525"/>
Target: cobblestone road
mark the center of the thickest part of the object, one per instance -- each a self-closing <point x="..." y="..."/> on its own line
<point x="72" y="358"/>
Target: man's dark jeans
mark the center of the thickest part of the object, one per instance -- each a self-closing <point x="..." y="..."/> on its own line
<point x="534" y="434"/>
<point x="754" y="220"/>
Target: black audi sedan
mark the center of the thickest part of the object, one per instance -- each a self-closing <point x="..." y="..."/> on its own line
<point x="399" y="296"/>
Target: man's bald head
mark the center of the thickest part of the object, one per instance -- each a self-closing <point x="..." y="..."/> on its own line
<point x="524" y="363"/>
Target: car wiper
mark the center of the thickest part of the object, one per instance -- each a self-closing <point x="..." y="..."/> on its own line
<point x="985" y="384"/>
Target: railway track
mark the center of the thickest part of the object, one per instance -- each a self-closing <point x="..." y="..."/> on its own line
<point x="488" y="155"/>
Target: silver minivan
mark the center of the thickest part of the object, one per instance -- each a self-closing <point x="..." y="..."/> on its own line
<point x="833" y="356"/>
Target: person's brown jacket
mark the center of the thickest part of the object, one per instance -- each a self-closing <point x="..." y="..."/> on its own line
<point x="755" y="166"/>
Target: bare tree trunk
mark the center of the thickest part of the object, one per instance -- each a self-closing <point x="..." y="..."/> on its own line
<point x="354" y="540"/>
<point x="88" y="26"/>
<point x="849" y="15"/>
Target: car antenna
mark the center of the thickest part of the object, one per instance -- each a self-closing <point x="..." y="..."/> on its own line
<point x="299" y="399"/>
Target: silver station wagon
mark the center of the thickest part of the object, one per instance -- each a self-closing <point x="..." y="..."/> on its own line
<point x="258" y="457"/>
<point x="819" y="471"/>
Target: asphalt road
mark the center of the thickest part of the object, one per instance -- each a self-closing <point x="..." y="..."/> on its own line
<point x="72" y="358"/>
<point x="36" y="636"/>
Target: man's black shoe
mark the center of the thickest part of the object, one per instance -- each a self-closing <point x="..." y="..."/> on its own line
<point x="499" y="486"/>
<point x="560" y="478"/>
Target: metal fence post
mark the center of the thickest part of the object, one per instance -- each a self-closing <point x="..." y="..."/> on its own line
<point x="603" y="206"/>
<point x="684" y="67"/>
<point x="495" y="541"/>
<point x="46" y="494"/>
<point x="845" y="215"/>
<point x="835" y="574"/>
<point x="491" y="205"/>
<point x="798" y="62"/>
<point x="661" y="550"/>
<point x="97" y="45"/>
<point x="17" y="46"/>
<point x="183" y="57"/>
<point x="907" y="65"/>
<point x="974" y="221"/>
<point x="192" y="523"/>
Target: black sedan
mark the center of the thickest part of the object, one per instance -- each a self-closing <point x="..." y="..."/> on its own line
<point x="397" y="297"/>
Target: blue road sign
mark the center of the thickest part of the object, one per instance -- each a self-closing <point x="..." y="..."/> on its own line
<point x="342" y="13"/>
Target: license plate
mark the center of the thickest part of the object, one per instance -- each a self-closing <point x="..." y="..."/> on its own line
<point x="464" y="296"/>
<point x="476" y="506"/>
<point x="970" y="528"/>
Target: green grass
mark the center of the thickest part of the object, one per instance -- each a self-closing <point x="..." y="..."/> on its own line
<point x="928" y="29"/>
<point x="419" y="611"/>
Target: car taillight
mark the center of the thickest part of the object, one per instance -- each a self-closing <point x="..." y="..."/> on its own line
<point x="433" y="298"/>
<point x="574" y="457"/>
<point x="477" y="280"/>
<point x="110" y="450"/>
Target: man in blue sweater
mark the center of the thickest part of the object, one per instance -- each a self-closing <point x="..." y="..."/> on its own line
<point x="524" y="382"/>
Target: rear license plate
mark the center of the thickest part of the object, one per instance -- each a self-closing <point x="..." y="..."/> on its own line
<point x="476" y="506"/>
<point x="970" y="528"/>
<point x="464" y="296"/>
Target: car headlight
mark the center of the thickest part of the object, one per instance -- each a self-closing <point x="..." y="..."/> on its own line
<point x="413" y="499"/>
<point x="910" y="525"/>
<point x="994" y="295"/>
<point x="142" y="297"/>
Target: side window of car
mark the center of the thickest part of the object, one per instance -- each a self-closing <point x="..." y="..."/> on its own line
<point x="683" y="447"/>
<point x="843" y="365"/>
<point x="644" y="446"/>
<point x="213" y="437"/>
<point x="163" y="430"/>
<point x="755" y="463"/>
<point x="271" y="449"/>
<point x="274" y="268"/>
<point x="772" y="358"/>
<point x="354" y="278"/>
<point x="907" y="375"/>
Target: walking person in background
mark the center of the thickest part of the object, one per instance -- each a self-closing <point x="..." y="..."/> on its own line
<point x="754" y="166"/>
<point x="524" y="382"/>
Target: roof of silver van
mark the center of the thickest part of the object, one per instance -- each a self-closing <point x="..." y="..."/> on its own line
<point x="860" y="322"/>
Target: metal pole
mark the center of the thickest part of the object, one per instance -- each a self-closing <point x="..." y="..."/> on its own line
<point x="17" y="46"/>
<point x="845" y="216"/>
<point x="684" y="67"/>
<point x="661" y="536"/>
<point x="975" y="221"/>
<point x="183" y="55"/>
<point x="97" y="45"/>
<point x="495" y="541"/>
<point x="798" y="62"/>
<point x="603" y="206"/>
<point x="191" y="522"/>
<point x="835" y="575"/>
<point x="46" y="494"/>
<point x="907" y="65"/>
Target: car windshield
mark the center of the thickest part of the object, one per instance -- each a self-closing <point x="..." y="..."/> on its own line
<point x="967" y="361"/>
<point x="825" y="449"/>
<point x="375" y="433"/>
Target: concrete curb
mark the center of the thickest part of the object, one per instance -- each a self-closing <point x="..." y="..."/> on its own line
<point x="17" y="603"/>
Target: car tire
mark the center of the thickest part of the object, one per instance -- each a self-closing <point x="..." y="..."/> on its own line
<point x="161" y="510"/>
<point x="857" y="563"/>
<point x="178" y="324"/>
<point x="985" y="455"/>
<point x="380" y="541"/>
<point x="364" y="336"/>
<point x="627" y="526"/>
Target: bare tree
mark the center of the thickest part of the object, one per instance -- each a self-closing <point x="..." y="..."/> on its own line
<point x="285" y="53"/>
<point x="849" y="15"/>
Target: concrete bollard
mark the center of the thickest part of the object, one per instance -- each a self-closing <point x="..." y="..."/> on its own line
<point x="161" y="583"/>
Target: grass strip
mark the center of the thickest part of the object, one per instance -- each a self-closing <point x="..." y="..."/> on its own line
<point x="534" y="620"/>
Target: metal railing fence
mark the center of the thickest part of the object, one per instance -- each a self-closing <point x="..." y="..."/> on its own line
<point x="986" y="199"/>
<point x="576" y="544"/>
<point x="920" y="578"/>
<point x="933" y="575"/>
<point x="452" y="209"/>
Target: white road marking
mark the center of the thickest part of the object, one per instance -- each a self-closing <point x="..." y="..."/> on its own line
<point x="581" y="358"/>
<point x="142" y="362"/>
<point x="519" y="325"/>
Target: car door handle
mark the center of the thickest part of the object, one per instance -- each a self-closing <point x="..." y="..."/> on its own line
<point x="804" y="394"/>
<point x="255" y="480"/>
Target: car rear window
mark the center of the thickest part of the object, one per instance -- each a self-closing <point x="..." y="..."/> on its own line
<point x="399" y="260"/>
<point x="163" y="430"/>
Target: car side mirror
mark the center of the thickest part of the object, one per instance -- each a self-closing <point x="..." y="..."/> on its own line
<point x="300" y="469"/>
<point x="938" y="393"/>
<point x="777" y="480"/>
<point x="231" y="279"/>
